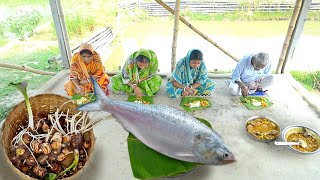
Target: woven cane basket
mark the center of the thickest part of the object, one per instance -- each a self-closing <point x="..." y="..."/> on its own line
<point x="41" y="105"/>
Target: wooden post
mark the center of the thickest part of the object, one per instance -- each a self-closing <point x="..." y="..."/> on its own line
<point x="61" y="31"/>
<point x="175" y="34"/>
<point x="298" y="29"/>
<point x="287" y="40"/>
<point x="196" y="30"/>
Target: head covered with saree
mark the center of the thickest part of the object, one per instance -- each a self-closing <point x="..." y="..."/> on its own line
<point x="131" y="70"/>
<point x="185" y="74"/>
<point x="79" y="68"/>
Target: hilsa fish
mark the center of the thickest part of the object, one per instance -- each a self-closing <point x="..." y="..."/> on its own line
<point x="165" y="129"/>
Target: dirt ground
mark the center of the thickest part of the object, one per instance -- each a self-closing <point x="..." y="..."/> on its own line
<point x="255" y="160"/>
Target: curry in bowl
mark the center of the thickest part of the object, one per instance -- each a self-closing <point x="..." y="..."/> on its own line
<point x="301" y="133"/>
<point x="262" y="128"/>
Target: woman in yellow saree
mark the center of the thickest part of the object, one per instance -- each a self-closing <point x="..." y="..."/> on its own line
<point x="85" y="63"/>
<point x="139" y="75"/>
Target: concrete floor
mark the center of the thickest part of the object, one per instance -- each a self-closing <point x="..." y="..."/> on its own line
<point x="255" y="160"/>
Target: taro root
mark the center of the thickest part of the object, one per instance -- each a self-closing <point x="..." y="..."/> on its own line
<point x="68" y="160"/>
<point x="66" y="141"/>
<point x="42" y="159"/>
<point x="76" y="140"/>
<point x="86" y="136"/>
<point x="80" y="165"/>
<point x="57" y="137"/>
<point x="26" y="138"/>
<point x="39" y="171"/>
<point x="86" y="144"/>
<point x="16" y="161"/>
<point x="24" y="168"/>
<point x="61" y="157"/>
<point x="30" y="161"/>
<point x="66" y="150"/>
<point x="45" y="127"/>
<point x="52" y="157"/>
<point x="56" y="145"/>
<point x="46" y="148"/>
<point x="56" y="151"/>
<point x="36" y="146"/>
<point x="81" y="151"/>
<point x="82" y="157"/>
<point x="55" y="167"/>
<point x="22" y="152"/>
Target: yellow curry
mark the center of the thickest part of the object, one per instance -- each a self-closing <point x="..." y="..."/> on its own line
<point x="263" y="129"/>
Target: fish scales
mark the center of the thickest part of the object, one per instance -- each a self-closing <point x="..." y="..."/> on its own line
<point x="167" y="130"/>
<point x="158" y="126"/>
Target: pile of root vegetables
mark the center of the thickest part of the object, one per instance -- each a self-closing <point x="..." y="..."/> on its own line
<point x="54" y="146"/>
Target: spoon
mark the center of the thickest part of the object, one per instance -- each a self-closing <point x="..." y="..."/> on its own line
<point x="302" y="143"/>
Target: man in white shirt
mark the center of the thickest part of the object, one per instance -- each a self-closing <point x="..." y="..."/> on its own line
<point x="251" y="73"/>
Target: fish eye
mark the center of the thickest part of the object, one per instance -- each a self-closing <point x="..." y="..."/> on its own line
<point x="225" y="155"/>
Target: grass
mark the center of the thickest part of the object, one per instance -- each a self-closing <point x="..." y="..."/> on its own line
<point x="309" y="80"/>
<point x="37" y="59"/>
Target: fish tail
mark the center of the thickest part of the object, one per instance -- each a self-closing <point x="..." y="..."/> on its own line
<point x="98" y="91"/>
<point x="100" y="95"/>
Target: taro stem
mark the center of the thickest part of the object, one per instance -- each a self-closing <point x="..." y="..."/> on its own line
<point x="23" y="88"/>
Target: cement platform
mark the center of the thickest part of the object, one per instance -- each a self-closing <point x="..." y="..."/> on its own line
<point x="255" y="160"/>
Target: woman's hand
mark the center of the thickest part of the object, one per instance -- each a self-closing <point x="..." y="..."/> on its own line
<point x="83" y="82"/>
<point x="80" y="90"/>
<point x="137" y="91"/>
<point x="187" y="90"/>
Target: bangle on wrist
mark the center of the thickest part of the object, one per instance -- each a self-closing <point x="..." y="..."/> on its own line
<point x="134" y="86"/>
<point x="184" y="89"/>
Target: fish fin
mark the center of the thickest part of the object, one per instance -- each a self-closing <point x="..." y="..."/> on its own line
<point x="93" y="106"/>
<point x="98" y="91"/>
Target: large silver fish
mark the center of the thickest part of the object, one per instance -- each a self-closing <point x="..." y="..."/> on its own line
<point x="167" y="130"/>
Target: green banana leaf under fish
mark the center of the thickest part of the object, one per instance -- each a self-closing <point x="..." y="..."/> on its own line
<point x="147" y="163"/>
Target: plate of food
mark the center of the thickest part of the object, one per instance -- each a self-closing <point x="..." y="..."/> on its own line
<point x="262" y="129"/>
<point x="254" y="102"/>
<point x="142" y="100"/>
<point x="309" y="136"/>
<point x="83" y="99"/>
<point x="194" y="103"/>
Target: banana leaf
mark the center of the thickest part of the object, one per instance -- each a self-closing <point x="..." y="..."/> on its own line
<point x="90" y="97"/>
<point x="147" y="163"/>
<point x="187" y="100"/>
<point x="247" y="102"/>
<point x="132" y="98"/>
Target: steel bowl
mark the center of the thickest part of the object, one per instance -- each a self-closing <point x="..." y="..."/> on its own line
<point x="262" y="140"/>
<point x="300" y="129"/>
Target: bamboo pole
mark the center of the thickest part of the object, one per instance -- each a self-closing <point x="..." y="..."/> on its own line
<point x="288" y="38"/>
<point x="175" y="34"/>
<point x="25" y="68"/>
<point x="196" y="30"/>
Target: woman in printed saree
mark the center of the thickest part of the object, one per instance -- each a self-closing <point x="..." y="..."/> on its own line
<point x="139" y="75"/>
<point x="85" y="63"/>
<point x="190" y="77"/>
